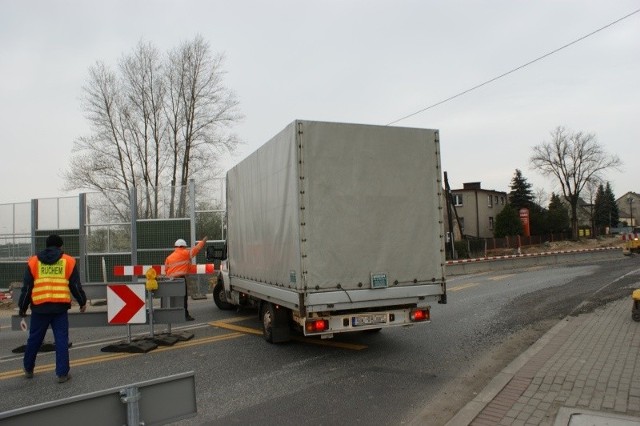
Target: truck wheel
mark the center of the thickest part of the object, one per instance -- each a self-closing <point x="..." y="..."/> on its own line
<point x="267" y="322"/>
<point x="635" y="315"/>
<point x="275" y="323"/>
<point x="220" y="299"/>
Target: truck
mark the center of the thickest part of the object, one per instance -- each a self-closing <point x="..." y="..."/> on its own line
<point x="334" y="228"/>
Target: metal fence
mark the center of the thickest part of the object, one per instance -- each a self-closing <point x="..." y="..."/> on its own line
<point x="472" y="247"/>
<point x="105" y="229"/>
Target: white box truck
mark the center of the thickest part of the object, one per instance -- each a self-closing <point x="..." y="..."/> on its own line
<point x="335" y="228"/>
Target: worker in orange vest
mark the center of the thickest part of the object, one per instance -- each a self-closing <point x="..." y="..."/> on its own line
<point x="49" y="282"/>
<point x="177" y="266"/>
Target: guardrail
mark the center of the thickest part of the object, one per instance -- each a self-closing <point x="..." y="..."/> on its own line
<point x="158" y="401"/>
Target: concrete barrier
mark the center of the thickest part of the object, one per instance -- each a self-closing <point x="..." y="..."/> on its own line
<point x="504" y="263"/>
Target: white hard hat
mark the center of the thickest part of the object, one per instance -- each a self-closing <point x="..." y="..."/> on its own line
<point x="180" y="243"/>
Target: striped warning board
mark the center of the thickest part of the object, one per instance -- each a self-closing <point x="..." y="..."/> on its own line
<point x="139" y="270"/>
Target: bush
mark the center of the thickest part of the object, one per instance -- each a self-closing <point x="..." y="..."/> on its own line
<point x="462" y="248"/>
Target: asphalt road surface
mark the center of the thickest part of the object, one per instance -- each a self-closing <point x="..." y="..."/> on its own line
<point x="415" y="375"/>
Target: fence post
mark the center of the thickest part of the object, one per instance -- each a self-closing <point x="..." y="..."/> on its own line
<point x="82" y="236"/>
<point x="133" y="200"/>
<point x="131" y="396"/>
<point x="34" y="224"/>
<point x="192" y="213"/>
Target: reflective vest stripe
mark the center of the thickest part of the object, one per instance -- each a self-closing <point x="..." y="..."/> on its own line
<point x="51" y="282"/>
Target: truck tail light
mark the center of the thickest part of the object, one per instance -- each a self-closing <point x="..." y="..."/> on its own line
<point x="417" y="315"/>
<point x="316" y="326"/>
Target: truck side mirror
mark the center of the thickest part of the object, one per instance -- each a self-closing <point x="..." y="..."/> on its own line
<point x="217" y="251"/>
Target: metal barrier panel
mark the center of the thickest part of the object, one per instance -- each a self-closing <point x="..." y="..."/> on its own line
<point x="171" y="311"/>
<point x="159" y="401"/>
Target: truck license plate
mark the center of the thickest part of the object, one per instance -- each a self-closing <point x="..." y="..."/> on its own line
<point x="368" y="320"/>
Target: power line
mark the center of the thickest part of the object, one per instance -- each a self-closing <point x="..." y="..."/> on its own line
<point x="514" y="69"/>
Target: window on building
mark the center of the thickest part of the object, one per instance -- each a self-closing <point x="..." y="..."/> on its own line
<point x="491" y="222"/>
<point x="489" y="201"/>
<point x="496" y="200"/>
<point x="457" y="199"/>
<point x="502" y="201"/>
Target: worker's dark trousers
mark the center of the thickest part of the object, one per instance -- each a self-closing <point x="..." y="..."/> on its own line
<point x="37" y="330"/>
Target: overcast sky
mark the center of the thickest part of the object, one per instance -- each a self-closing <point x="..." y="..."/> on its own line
<point x="365" y="61"/>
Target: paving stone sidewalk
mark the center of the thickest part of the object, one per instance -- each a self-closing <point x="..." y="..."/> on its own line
<point x="585" y="370"/>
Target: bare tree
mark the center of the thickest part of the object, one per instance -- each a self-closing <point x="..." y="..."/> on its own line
<point x="540" y="197"/>
<point x="200" y="111"/>
<point x="159" y="120"/>
<point x="575" y="160"/>
<point x="103" y="161"/>
<point x="144" y="88"/>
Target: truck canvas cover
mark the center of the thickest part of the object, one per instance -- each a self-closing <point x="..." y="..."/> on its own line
<point x="335" y="207"/>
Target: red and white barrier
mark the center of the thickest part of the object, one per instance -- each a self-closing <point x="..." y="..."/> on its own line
<point x="514" y="256"/>
<point x="138" y="270"/>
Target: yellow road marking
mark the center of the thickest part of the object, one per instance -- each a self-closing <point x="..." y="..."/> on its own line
<point x="501" y="277"/>
<point x="315" y="341"/>
<point x="223" y="324"/>
<point x="463" y="287"/>
<point x="116" y="356"/>
<point x="238" y="319"/>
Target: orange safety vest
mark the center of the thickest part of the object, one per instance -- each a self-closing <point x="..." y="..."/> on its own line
<point x="51" y="282"/>
<point x="177" y="263"/>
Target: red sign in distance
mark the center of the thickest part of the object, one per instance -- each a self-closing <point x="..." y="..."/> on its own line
<point x="133" y="302"/>
<point x="524" y="218"/>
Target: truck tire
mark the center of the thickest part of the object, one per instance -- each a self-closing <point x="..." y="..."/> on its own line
<point x="275" y="323"/>
<point x="220" y="299"/>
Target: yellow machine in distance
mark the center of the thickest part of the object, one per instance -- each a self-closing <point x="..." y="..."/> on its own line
<point x="632" y="244"/>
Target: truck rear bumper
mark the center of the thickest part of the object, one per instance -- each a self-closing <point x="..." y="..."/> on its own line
<point x="419" y="294"/>
<point x="361" y="321"/>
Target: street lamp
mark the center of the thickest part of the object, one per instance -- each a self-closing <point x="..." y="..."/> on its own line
<point x="630" y="201"/>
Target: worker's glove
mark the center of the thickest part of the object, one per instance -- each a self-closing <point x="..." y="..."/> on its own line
<point x="22" y="313"/>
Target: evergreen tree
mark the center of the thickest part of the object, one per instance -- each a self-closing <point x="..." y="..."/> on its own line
<point x="508" y="222"/>
<point x="614" y="213"/>
<point x="606" y="210"/>
<point x="538" y="219"/>
<point x="558" y="215"/>
<point x="601" y="210"/>
<point x="521" y="194"/>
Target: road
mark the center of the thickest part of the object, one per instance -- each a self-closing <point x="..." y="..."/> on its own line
<point x="416" y="375"/>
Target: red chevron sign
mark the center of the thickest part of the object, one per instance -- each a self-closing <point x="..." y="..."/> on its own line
<point x="125" y="304"/>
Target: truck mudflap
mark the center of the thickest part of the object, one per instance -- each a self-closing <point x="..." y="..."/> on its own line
<point x="326" y="325"/>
